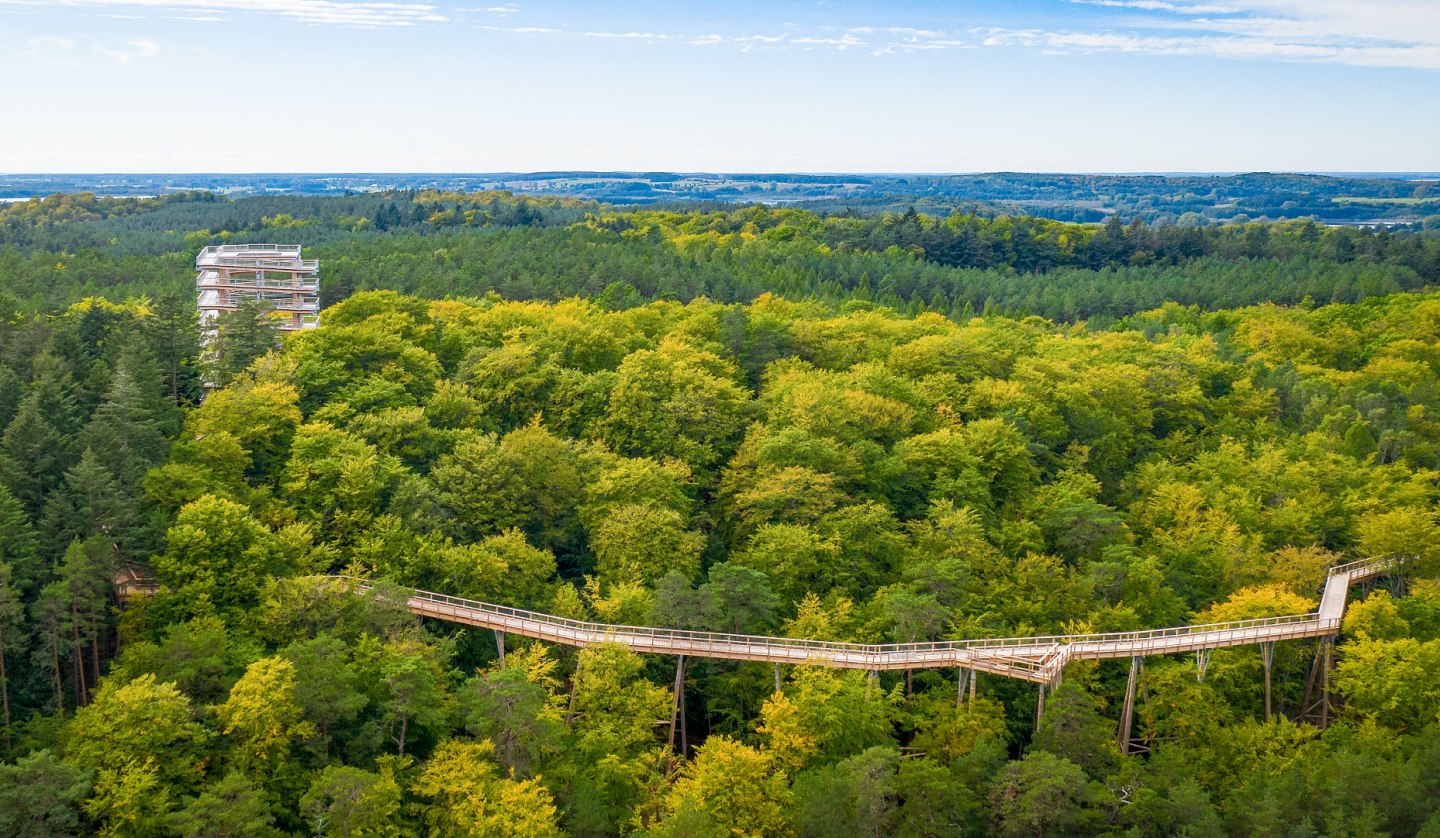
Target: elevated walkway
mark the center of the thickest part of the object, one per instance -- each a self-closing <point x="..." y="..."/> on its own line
<point x="1036" y="659"/>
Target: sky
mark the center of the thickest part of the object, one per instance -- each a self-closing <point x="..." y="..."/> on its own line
<point x="719" y="85"/>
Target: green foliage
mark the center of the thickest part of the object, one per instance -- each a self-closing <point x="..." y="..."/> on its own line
<point x="346" y="802"/>
<point x="855" y="470"/>
<point x="40" y="797"/>
<point x="727" y="790"/>
<point x="229" y="809"/>
<point x="143" y="720"/>
<point x="1043" y="793"/>
<point x="218" y="554"/>
<point x="470" y="799"/>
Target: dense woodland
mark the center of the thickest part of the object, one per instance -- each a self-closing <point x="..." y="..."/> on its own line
<point x="811" y="464"/>
<point x="59" y="250"/>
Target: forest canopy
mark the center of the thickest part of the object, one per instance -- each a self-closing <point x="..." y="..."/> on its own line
<point x="59" y="250"/>
<point x="778" y="467"/>
<point x="813" y="465"/>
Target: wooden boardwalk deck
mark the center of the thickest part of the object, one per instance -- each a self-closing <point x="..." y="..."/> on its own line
<point x="1036" y="659"/>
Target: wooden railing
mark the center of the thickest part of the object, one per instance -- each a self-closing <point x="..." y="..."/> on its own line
<point x="1037" y="659"/>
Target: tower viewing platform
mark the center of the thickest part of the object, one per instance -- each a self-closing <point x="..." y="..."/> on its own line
<point x="274" y="274"/>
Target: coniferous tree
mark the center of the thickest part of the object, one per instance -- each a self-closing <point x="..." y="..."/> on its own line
<point x="50" y="618"/>
<point x="244" y="335"/>
<point x="90" y="504"/>
<point x="12" y="614"/>
<point x="174" y="335"/>
<point x="18" y="546"/>
<point x="33" y="456"/>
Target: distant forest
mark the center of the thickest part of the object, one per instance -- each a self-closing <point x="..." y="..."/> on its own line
<point x="1388" y="199"/>
<point x="60" y="249"/>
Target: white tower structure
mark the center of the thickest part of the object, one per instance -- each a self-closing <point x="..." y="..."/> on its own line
<point x="274" y="274"/>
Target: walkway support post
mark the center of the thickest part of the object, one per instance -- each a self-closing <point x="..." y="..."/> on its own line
<point x="500" y="646"/>
<point x="777" y="677"/>
<point x="963" y="676"/>
<point x="1040" y="706"/>
<point x="1202" y="662"/>
<point x="1127" y="712"/>
<point x="1328" y="647"/>
<point x="677" y="703"/>
<point x="1267" y="659"/>
<point x="974" y="678"/>
<point x="1319" y="682"/>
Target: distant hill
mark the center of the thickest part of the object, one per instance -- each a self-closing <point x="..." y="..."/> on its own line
<point x="1385" y="198"/>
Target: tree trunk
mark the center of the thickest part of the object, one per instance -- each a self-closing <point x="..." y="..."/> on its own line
<point x="79" y="655"/>
<point x="59" y="688"/>
<point x="5" y="690"/>
<point x="95" y="653"/>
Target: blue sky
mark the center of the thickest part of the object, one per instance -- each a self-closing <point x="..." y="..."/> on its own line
<point x="837" y="85"/>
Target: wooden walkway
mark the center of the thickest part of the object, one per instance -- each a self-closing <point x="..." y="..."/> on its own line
<point x="1037" y="659"/>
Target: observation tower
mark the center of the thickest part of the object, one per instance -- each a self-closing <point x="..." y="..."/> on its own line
<point x="273" y="274"/>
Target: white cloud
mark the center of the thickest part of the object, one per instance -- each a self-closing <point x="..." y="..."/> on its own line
<point x="67" y="51"/>
<point x="1218" y="46"/>
<point x="629" y="36"/>
<point x="1377" y="33"/>
<point x="842" y="42"/>
<point x="522" y="30"/>
<point x="131" y="51"/>
<point x="745" y="42"/>
<point x="1161" y="6"/>
<point x="364" y="14"/>
<point x="49" y="45"/>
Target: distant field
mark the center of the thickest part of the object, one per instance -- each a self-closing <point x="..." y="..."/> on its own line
<point x="1385" y="201"/>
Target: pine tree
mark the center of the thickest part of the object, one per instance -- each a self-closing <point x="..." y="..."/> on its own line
<point x="245" y="334"/>
<point x="12" y="614"/>
<point x="86" y="571"/>
<point x="32" y="456"/>
<point x="174" y="335"/>
<point x="128" y="430"/>
<point x="50" y="617"/>
<point x="90" y="504"/>
<point x="18" y="547"/>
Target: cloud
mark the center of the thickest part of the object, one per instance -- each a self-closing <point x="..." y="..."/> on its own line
<point x="1392" y="33"/>
<point x="1160" y="6"/>
<point x="132" y="50"/>
<point x="745" y="42"/>
<point x="521" y="30"/>
<point x="629" y="36"/>
<point x="1230" y="47"/>
<point x="51" y="45"/>
<point x="842" y="42"/>
<point x="66" y="50"/>
<point x="362" y="14"/>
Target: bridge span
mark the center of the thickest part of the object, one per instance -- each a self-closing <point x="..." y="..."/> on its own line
<point x="1040" y="660"/>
